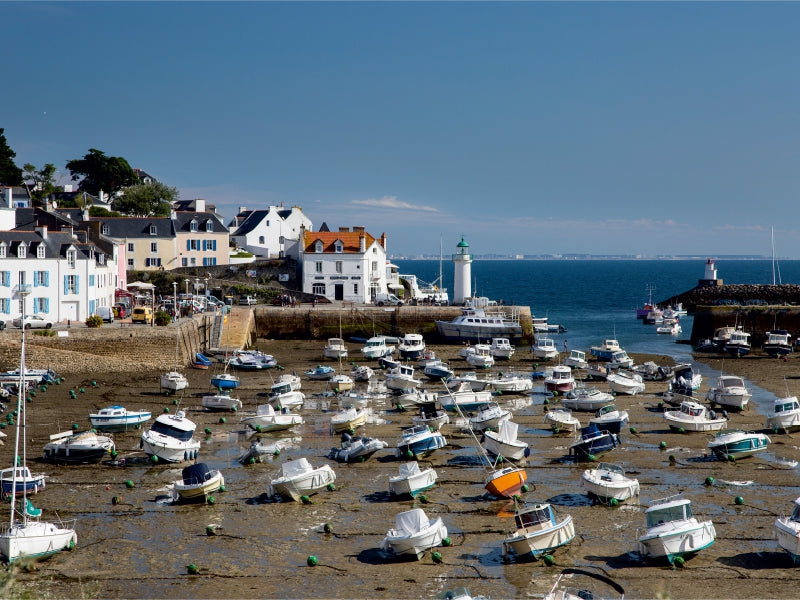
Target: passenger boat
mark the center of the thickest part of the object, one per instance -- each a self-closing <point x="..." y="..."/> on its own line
<point x="607" y="481"/>
<point x="778" y="343"/>
<point x="738" y="344"/>
<point x="673" y="531"/>
<point x="171" y="439"/>
<point x="476" y="324"/>
<point x="538" y="531"/>
<point x="335" y="349"/>
<point x="356" y="448"/>
<point x="785" y="415"/>
<point x="586" y="399"/>
<point x="419" y="441"/>
<point x="431" y="415"/>
<point x="576" y="359"/>
<point x="511" y="383"/>
<point x="221" y="401"/>
<point x="560" y="380"/>
<point x="593" y="443"/>
<point x="489" y="416"/>
<point x="544" y="348"/>
<point x="501" y="348"/>
<point x="505" y="443"/>
<point x="348" y="419"/>
<point x="197" y="482"/>
<point x="610" y="418"/>
<point x="321" y="373"/>
<point x="787" y="530"/>
<point x="414" y="533"/>
<point x="298" y="478"/>
<point x="411" y="346"/>
<point x="734" y="444"/>
<point x="625" y="382"/>
<point x="562" y="420"/>
<point x="266" y="419"/>
<point x="376" y="347"/>
<point x="77" y="447"/>
<point x="118" y="418"/>
<point x="694" y="417"/>
<point x="730" y="392"/>
<point x="411" y="481"/>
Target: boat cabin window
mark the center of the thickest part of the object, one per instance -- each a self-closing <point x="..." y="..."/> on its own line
<point x="534" y="517"/>
<point x="282" y="389"/>
<point x="671" y="513"/>
<point x="175" y="432"/>
<point x="796" y="513"/>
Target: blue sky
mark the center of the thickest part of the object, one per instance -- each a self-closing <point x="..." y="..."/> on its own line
<point x="530" y="128"/>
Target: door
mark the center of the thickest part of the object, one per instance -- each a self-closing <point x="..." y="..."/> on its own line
<point x="338" y="291"/>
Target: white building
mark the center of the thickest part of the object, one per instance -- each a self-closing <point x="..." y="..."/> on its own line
<point x="343" y="265"/>
<point x="270" y="233"/>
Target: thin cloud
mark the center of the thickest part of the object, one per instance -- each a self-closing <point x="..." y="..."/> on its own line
<point x="393" y="203"/>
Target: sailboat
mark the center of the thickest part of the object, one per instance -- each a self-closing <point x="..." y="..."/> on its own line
<point x="27" y="536"/>
<point x="174" y="381"/>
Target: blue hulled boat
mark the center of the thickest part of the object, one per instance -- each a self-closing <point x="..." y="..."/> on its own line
<point x="593" y="443"/>
<point x="419" y="441"/>
<point x="734" y="443"/>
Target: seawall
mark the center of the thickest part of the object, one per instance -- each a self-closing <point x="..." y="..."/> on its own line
<point x="755" y="320"/>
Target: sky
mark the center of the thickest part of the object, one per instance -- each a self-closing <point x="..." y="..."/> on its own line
<point x="640" y="128"/>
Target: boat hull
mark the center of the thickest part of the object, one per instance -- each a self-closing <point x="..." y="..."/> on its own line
<point x="788" y="534"/>
<point x="412" y="485"/>
<point x="683" y="541"/>
<point x="168" y="448"/>
<point x="506" y="483"/>
<point x="36" y="539"/>
<point x="607" y="486"/>
<point x="535" y="543"/>
<point x="304" y="484"/>
<point x="199" y="491"/>
<point x="415" y="545"/>
<point x="739" y="446"/>
<point x="117" y="424"/>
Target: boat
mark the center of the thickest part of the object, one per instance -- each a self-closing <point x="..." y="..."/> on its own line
<point x="738" y="344"/>
<point x="376" y="347"/>
<point x="641" y="313"/>
<point x="27" y="536"/>
<point x="721" y="337"/>
<point x="593" y="443"/>
<point x="605" y="350"/>
<point x="580" y="584"/>
<point x="475" y="324"/>
<point x="225" y="381"/>
<point x="597" y="371"/>
<point x="489" y="416"/>
<point x="504" y="442"/>
<point x="293" y="379"/>
<point x="258" y="450"/>
<point x="540" y="325"/>
<point x="778" y="343"/>
<point x="362" y="373"/>
<point x="388" y="362"/>
<point x="785" y="415"/>
<point x="411" y="481"/>
<point x="201" y="361"/>
<point x="511" y="383"/>
<point x="787" y="531"/>
<point x="416" y="397"/>
<point x="267" y="419"/>
<point x="431" y="415"/>
<point x="413" y="533"/>
<point x="465" y="398"/>
<point x="620" y="360"/>
<point x="348" y="419"/>
<point x="173" y="381"/>
<point x="401" y="377"/>
<point x="734" y="444"/>
<point x="669" y="327"/>
<point x="607" y="481"/>
<point x="561" y="420"/>
<point x="501" y="348"/>
<point x="221" y="401"/>
<point x="560" y="380"/>
<point x="335" y="349"/>
<point x="321" y="373"/>
<point x="31" y="377"/>
<point x="480" y="356"/>
<point x="471" y="378"/>
<point x="684" y="380"/>
<point x="284" y="394"/>
<point x="694" y="417"/>
<point x="650" y="371"/>
<point x="544" y="348"/>
<point x="341" y="382"/>
<point x="610" y="418"/>
<point x="538" y="531"/>
<point x="437" y="370"/>
<point x="118" y="418"/>
<point x="673" y="531"/>
<point x="356" y="448"/>
<point x="298" y="478"/>
<point x="730" y="392"/>
<point x="705" y="345"/>
<point x="197" y="482"/>
<point x="252" y="360"/>
<point x="77" y="447"/>
<point x="576" y="359"/>
<point x="418" y="441"/>
<point x="586" y="399"/>
<point x="625" y="382"/>
<point x="171" y="439"/>
<point x="428" y="356"/>
<point x="411" y="346"/>
<point x="654" y="316"/>
<point x="21" y="479"/>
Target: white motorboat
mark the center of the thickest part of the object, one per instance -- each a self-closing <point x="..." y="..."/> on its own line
<point x="335" y="349"/>
<point x="376" y="347"/>
<point x="586" y="399"/>
<point x="437" y="370"/>
<point x="419" y="441"/>
<point x="258" y="451"/>
<point x="511" y="383"/>
<point x="730" y="392"/>
<point x="118" y="418"/>
<point x="414" y="533"/>
<point x="669" y="326"/>
<point x="293" y="379"/>
<point x="341" y="382"/>
<point x="411" y="481"/>
<point x="576" y="359"/>
<point x="171" y="439"/>
<point x="654" y="316"/>
<point x="562" y="420"/>
<point x="252" y="360"/>
<point x="284" y="394"/>
<point x="504" y="442"/>
<point x="298" y="478"/>
<point x="475" y="324"/>
<point x="738" y="344"/>
<point x="560" y="380"/>
<point x="173" y="381"/>
<point x="721" y="337"/>
<point x="620" y="360"/>
<point x="606" y="349"/>
<point x="221" y="401"/>
<point x="694" y="417"/>
<point x="734" y="444"/>
<point x="471" y="378"/>
<point x="481" y="356"/>
<point x="778" y="343"/>
<point x="268" y="419"/>
<point x="197" y="482"/>
<point x="785" y="415"/>
<point x="787" y="530"/>
<point x="610" y="418"/>
<point x="401" y="377"/>
<point x="21" y="477"/>
<point x="607" y="481"/>
<point x="597" y="370"/>
<point x="538" y="531"/>
<point x="321" y="373"/>
<point x="501" y="348"/>
<point x="356" y="448"/>
<point x="430" y="415"/>
<point x="489" y="417"/>
<point x="78" y="447"/>
<point x="673" y="531"/>
<point x="684" y="380"/>
<point x="416" y="396"/>
<point x="348" y="419"/>
<point x="465" y="398"/>
<point x="544" y="348"/>
<point x="625" y="382"/>
<point x="362" y="373"/>
<point x="411" y="346"/>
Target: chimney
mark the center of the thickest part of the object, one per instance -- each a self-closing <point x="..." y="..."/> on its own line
<point x="362" y="243"/>
<point x="85" y="214"/>
<point x="343" y="229"/>
<point x="10" y="197"/>
<point x="241" y="210"/>
<point x="358" y="229"/>
<point x="200" y="205"/>
<point x="101" y="197"/>
<point x="383" y="241"/>
<point x="42" y="231"/>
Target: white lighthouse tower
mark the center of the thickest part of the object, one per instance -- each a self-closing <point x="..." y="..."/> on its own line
<point x="710" y="275"/>
<point x="462" y="259"/>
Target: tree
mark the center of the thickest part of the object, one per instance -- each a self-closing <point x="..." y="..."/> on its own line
<point x="147" y="200"/>
<point x="40" y="183"/>
<point x="10" y="173"/>
<point x="100" y="172"/>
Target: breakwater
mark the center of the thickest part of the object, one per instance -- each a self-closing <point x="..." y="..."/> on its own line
<point x="736" y="295"/>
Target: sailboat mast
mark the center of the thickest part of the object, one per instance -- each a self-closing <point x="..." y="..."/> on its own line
<point x="22" y="292"/>
<point x="441" y="282"/>
<point x="772" y="238"/>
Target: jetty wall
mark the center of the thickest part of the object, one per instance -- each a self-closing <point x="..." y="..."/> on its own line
<point x="755" y="320"/>
<point x="744" y="295"/>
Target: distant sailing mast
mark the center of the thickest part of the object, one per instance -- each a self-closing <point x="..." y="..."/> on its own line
<point x="774" y="262"/>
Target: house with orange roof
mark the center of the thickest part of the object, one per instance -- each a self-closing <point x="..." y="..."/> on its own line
<point x="347" y="265"/>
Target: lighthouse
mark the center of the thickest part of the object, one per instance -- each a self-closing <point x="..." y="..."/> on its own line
<point x="710" y="275"/>
<point x="462" y="260"/>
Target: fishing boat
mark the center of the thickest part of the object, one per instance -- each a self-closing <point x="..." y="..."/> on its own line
<point x="607" y="481"/>
<point x="430" y="415"/>
<point x="376" y="347"/>
<point x="561" y="420"/>
<point x="605" y="350"/>
<point x="411" y="481"/>
<point x="593" y="443"/>
<point x="489" y="416"/>
<point x="544" y="348"/>
<point x="362" y="373"/>
<point x="197" y="482"/>
<point x="475" y="324"/>
<point x="356" y="448"/>
<point x="673" y="531"/>
<point x="787" y="531"/>
<point x="221" y="401"/>
<point x="413" y="533"/>
<point x="734" y="444"/>
<point x="511" y="383"/>
<point x="586" y="399"/>
<point x="560" y="380"/>
<point x="778" y="343"/>
<point x="401" y="377"/>
<point x="411" y="346"/>
<point x="466" y="399"/>
<point x="225" y="381"/>
<point x="284" y="394"/>
<point x="538" y="531"/>
<point x="610" y="418"/>
<point x="21" y="479"/>
<point x="118" y="418"/>
<point x="348" y="419"/>
<point x="27" y="536"/>
<point x="480" y="356"/>
<point x="267" y="419"/>
<point x="298" y="478"/>
<point x="77" y="447"/>
<point x="321" y="373"/>
<point x="738" y="344"/>
<point x="501" y="348"/>
<point x="419" y="441"/>
<point x="684" y="380"/>
<point x="335" y="349"/>
<point x="576" y="359"/>
<point x="785" y="415"/>
<point x="171" y="439"/>
<point x="730" y="392"/>
<point x="504" y="442"/>
<point x="625" y="382"/>
<point x="694" y="417"/>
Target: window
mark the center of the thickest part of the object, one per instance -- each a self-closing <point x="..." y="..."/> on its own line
<point x="318" y="247"/>
<point x="5" y="305"/>
<point x="152" y="262"/>
<point x="209" y="226"/>
<point x="193" y="244"/>
<point x="41" y="305"/>
<point x="70" y="284"/>
<point x="261" y="240"/>
<point x="130" y="263"/>
<point x="318" y="288"/>
<point x="355" y="288"/>
<point x="41" y="278"/>
<point x="2" y="250"/>
<point x="154" y="247"/>
<point x="338" y="266"/>
<point x="130" y="246"/>
<point x="153" y="230"/>
<point x="193" y="226"/>
<point x="209" y="261"/>
<point x="72" y="257"/>
<point x="21" y="251"/>
<point x="105" y="229"/>
<point x="5" y="278"/>
<point x="193" y="261"/>
<point x="318" y="266"/>
<point x="40" y="251"/>
<point x="374" y="267"/>
<point x="338" y="247"/>
<point x="184" y="262"/>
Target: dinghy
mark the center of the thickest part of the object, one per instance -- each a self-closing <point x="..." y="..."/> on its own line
<point x="505" y="443"/>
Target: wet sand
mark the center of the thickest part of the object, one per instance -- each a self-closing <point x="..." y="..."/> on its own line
<point x="140" y="547"/>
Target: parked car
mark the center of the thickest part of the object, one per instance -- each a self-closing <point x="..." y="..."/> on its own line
<point x="2" y="325"/>
<point x="33" y="322"/>
<point x="105" y="313"/>
<point x="142" y="314"/>
<point x="247" y="300"/>
<point x="121" y="310"/>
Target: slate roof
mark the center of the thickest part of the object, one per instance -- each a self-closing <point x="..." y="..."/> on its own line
<point x="183" y="221"/>
<point x="137" y="227"/>
<point x="56" y="244"/>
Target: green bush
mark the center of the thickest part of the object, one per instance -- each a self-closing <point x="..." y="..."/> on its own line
<point x="94" y="321"/>
<point x="162" y="318"/>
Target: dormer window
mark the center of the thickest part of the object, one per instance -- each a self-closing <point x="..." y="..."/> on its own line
<point x="153" y="230"/>
<point x="338" y="247"/>
<point x="22" y="251"/>
<point x="318" y="247"/>
<point x="2" y="249"/>
<point x="193" y="226"/>
<point x="101" y="259"/>
<point x="105" y="230"/>
<point x="209" y="226"/>
<point x="72" y="258"/>
<point x="40" y="251"/>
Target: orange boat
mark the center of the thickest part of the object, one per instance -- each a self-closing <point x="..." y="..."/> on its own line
<point x="506" y="482"/>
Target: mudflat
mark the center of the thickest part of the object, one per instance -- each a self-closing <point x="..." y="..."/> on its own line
<point x="140" y="545"/>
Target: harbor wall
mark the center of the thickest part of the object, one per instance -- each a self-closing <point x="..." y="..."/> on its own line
<point x="755" y="320"/>
<point x="736" y="295"/>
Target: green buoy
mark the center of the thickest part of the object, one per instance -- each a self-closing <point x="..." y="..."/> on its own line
<point x="312" y="561"/>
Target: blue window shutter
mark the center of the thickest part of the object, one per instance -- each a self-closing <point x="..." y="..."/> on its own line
<point x="77" y="284"/>
<point x="91" y="280"/>
<point x="47" y="278"/>
<point x="66" y="284"/>
<point x="188" y="244"/>
<point x="47" y="305"/>
<point x="91" y="307"/>
<point x="36" y="279"/>
<point x="8" y="278"/>
<point x="213" y="244"/>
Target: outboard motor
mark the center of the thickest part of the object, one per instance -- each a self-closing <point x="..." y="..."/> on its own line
<point x="712" y="414"/>
<point x="345" y="437"/>
<point x="725" y="414"/>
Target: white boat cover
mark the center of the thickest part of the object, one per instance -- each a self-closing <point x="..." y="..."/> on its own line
<point x="409" y="469"/>
<point x="265" y="410"/>
<point x="292" y="468"/>
<point x="508" y="431"/>
<point x="411" y="522"/>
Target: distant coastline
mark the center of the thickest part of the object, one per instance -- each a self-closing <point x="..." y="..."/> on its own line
<point x="572" y="257"/>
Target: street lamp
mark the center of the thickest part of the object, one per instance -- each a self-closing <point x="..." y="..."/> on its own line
<point x="174" y="300"/>
<point x="196" y="287"/>
<point x="205" y="289"/>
